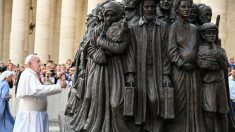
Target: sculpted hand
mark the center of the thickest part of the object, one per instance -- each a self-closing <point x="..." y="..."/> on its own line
<point x="129" y="79"/>
<point x="99" y="57"/>
<point x="188" y="67"/>
<point x="215" y="53"/>
<point x="166" y="81"/>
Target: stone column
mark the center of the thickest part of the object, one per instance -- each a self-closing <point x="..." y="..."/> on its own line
<point x="31" y="18"/>
<point x="42" y="32"/>
<point x="230" y="43"/>
<point x="7" y="28"/>
<point x="1" y="27"/>
<point x="92" y="4"/>
<point x="81" y="16"/>
<point x="219" y="8"/>
<point x="67" y="30"/>
<point x="196" y="1"/>
<point x="17" y="37"/>
<point x="52" y="45"/>
<point x="57" y="30"/>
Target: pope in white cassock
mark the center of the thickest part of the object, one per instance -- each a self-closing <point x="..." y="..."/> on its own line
<point x="32" y="114"/>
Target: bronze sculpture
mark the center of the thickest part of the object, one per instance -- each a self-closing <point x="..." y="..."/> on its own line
<point x="213" y="61"/>
<point x="131" y="13"/>
<point x="147" y="70"/>
<point x="204" y="14"/>
<point x="182" y="47"/>
<point x="193" y="18"/>
<point x="165" y="11"/>
<point x="153" y="67"/>
<point x="101" y="106"/>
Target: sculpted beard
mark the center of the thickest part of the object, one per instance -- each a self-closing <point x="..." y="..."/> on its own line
<point x="149" y="15"/>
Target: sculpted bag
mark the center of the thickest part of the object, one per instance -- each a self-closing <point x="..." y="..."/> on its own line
<point x="167" y="103"/>
<point x="129" y="94"/>
<point x="99" y="56"/>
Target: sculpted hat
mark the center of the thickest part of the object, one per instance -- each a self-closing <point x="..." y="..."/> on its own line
<point x="208" y="26"/>
<point x="150" y="1"/>
<point x="115" y="7"/>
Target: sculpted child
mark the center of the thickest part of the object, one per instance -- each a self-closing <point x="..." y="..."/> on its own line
<point x="212" y="60"/>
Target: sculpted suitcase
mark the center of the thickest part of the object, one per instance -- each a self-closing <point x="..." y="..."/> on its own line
<point x="167" y="103"/>
<point x="129" y="94"/>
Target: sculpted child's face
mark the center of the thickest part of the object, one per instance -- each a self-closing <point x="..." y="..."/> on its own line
<point x="149" y="10"/>
<point x="166" y="4"/>
<point x="210" y="35"/>
<point x="184" y="9"/>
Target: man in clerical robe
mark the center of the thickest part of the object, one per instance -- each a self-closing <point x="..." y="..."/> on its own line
<point x="32" y="114"/>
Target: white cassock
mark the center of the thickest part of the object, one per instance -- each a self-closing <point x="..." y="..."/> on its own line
<point x="32" y="114"/>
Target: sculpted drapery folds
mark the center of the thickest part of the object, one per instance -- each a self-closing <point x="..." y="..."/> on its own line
<point x="101" y="109"/>
<point x="182" y="47"/>
<point x="152" y="67"/>
<point x="147" y="72"/>
<point x="213" y="62"/>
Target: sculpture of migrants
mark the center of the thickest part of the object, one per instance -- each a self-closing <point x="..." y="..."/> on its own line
<point x="182" y="46"/>
<point x="150" y="66"/>
<point x="153" y="67"/>
<point x="165" y="11"/>
<point x="213" y="61"/>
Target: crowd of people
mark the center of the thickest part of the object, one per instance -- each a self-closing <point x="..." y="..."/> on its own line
<point x="51" y="76"/>
<point x="50" y="73"/>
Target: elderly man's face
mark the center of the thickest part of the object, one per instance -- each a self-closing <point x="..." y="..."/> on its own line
<point x="35" y="64"/>
<point x="149" y="10"/>
<point x="166" y="4"/>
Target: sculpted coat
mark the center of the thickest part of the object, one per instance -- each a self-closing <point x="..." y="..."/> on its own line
<point x="182" y="47"/>
<point x="148" y="90"/>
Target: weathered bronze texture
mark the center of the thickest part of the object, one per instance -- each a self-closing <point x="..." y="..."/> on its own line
<point x="150" y="66"/>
